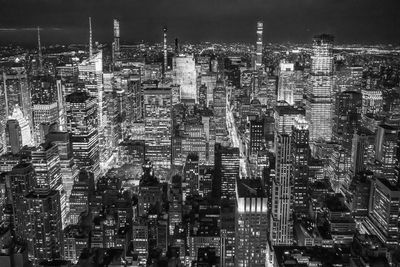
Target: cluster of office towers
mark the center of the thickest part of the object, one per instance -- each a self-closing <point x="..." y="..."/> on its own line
<point x="61" y="132"/>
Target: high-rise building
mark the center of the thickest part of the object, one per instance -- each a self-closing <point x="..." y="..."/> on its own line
<point x="251" y="223"/>
<point x="14" y="93"/>
<point x="259" y="45"/>
<point x="219" y="104"/>
<point x="384" y="213"/>
<point x="82" y="123"/>
<point x="165" y="51"/>
<point x="282" y="188"/>
<point x="227" y="164"/>
<point x="157" y="113"/>
<point x="150" y="191"/>
<point x="300" y="151"/>
<point x="69" y="170"/>
<point x="80" y="195"/>
<point x="363" y="145"/>
<point x="116" y="51"/>
<point x="44" y="105"/>
<point x="386" y="149"/>
<point x="19" y="182"/>
<point x="319" y="95"/>
<point x="286" y="82"/>
<point x="185" y="75"/>
<point x="46" y="161"/>
<point x="285" y="116"/>
<point x="43" y="226"/>
<point x="372" y="102"/>
<point x="24" y="125"/>
<point x="347" y="117"/>
<point x="257" y="139"/>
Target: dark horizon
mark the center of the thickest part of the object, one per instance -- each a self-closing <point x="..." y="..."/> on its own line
<point x="229" y="21"/>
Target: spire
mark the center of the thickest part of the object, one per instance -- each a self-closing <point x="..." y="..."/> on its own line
<point x="165" y="65"/>
<point x="90" y="38"/>
<point x="39" y="50"/>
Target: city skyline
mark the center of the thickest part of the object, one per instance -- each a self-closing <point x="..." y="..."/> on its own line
<point x="284" y="21"/>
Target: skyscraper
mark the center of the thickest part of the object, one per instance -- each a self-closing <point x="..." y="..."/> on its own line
<point x="259" y="46"/>
<point x="386" y="149"/>
<point x="43" y="225"/>
<point x="185" y="75"/>
<point x="116" y="51"/>
<point x="26" y="137"/>
<point x="20" y="181"/>
<point x="251" y="223"/>
<point x="227" y="164"/>
<point x="282" y="188"/>
<point x="165" y="51"/>
<point x="319" y="95"/>
<point x="300" y="153"/>
<point x="219" y="104"/>
<point x="80" y="195"/>
<point x="157" y="113"/>
<point x="82" y="123"/>
<point x="286" y="83"/>
<point x="44" y="105"/>
<point x="68" y="167"/>
<point x="384" y="213"/>
<point x="46" y="161"/>
<point x="14" y="93"/>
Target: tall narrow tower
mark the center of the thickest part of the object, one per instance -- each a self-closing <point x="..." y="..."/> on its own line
<point x="39" y="50"/>
<point x="259" y="45"/>
<point x="165" y="66"/>
<point x="116" y="39"/>
<point x="90" y="38"/>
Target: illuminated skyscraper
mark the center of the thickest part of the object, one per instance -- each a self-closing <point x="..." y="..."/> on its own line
<point x="384" y="212"/>
<point x="185" y="75"/>
<point x="227" y="165"/>
<point x="300" y="153"/>
<point x="282" y="188"/>
<point x="259" y="46"/>
<point x="286" y="83"/>
<point x="251" y="223"/>
<point x="219" y="104"/>
<point x="68" y="167"/>
<point x="347" y="117"/>
<point x="165" y="51"/>
<point x="20" y="181"/>
<point x="82" y="123"/>
<point x="319" y="95"/>
<point x="386" y="149"/>
<point x="90" y="38"/>
<point x="80" y="195"/>
<point x="46" y="161"/>
<point x="14" y="91"/>
<point x="23" y="123"/>
<point x="157" y="113"/>
<point x="43" y="225"/>
<point x="44" y="105"/>
<point x="116" y="51"/>
<point x="40" y="57"/>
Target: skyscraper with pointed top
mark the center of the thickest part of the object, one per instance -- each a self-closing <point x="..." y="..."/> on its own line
<point x="39" y="50"/>
<point x="165" y="66"/>
<point x="90" y="38"/>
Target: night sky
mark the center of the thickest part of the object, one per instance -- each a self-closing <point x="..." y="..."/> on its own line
<point x="351" y="21"/>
